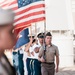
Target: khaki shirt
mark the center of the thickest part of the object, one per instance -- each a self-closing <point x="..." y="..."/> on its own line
<point x="51" y="52"/>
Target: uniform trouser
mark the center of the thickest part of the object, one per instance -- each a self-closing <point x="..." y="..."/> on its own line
<point x="33" y="66"/>
<point x="37" y="67"/>
<point x="16" y="62"/>
<point x="28" y="65"/>
<point x="48" y="69"/>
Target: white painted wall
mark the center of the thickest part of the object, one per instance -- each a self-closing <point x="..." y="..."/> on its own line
<point x="59" y="15"/>
<point x="73" y="11"/>
<point x="65" y="45"/>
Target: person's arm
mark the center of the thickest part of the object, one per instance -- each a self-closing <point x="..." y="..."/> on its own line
<point x="36" y="50"/>
<point x="57" y="59"/>
<point x="57" y="63"/>
<point x="28" y="46"/>
<point x="40" y="57"/>
<point x="32" y="53"/>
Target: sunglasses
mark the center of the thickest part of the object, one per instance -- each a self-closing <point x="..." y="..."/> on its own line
<point x="31" y="36"/>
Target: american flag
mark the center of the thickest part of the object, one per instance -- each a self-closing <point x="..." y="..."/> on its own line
<point x="31" y="11"/>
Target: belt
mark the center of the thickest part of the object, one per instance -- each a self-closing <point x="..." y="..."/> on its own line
<point x="48" y="62"/>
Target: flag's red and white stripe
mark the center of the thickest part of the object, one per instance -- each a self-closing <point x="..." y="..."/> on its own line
<point x="26" y="15"/>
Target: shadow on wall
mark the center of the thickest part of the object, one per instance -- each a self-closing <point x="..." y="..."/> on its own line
<point x="74" y="55"/>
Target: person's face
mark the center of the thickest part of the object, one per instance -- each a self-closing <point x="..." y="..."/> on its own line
<point x="7" y="37"/>
<point x="48" y="39"/>
<point x="41" y="40"/>
<point x="31" y="38"/>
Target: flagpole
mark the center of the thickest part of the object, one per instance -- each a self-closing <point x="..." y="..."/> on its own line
<point x="31" y="30"/>
<point x="45" y="27"/>
<point x="35" y="30"/>
<point x="44" y="55"/>
<point x="45" y="22"/>
<point x="31" y="37"/>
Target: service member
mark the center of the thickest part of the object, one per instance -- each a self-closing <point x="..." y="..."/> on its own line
<point x="29" y="60"/>
<point x="40" y="37"/>
<point x="47" y="55"/>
